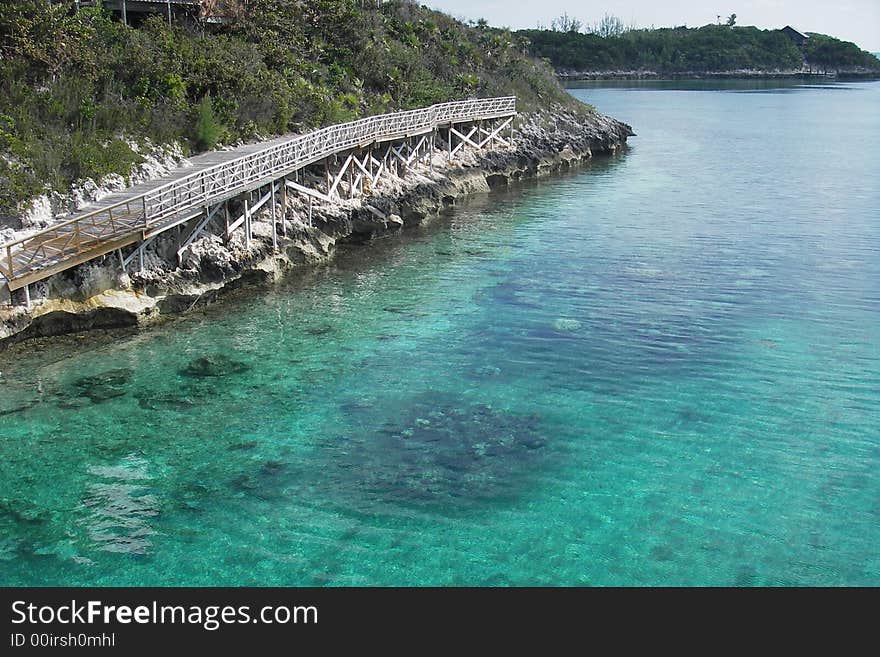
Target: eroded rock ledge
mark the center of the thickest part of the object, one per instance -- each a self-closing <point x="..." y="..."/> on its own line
<point x="98" y="295"/>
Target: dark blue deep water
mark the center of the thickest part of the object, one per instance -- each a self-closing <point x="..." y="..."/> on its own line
<point x="662" y="369"/>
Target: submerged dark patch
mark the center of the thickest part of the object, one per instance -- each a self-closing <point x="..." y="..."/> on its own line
<point x="264" y="482"/>
<point x="440" y="450"/>
<point x="165" y="401"/>
<point x="214" y="365"/>
<point x="103" y="386"/>
<point x="20" y="408"/>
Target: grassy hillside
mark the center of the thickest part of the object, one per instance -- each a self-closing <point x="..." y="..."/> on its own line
<point x="75" y="85"/>
<point x="705" y="49"/>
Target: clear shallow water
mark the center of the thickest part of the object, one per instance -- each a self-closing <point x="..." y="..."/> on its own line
<point x="663" y="369"/>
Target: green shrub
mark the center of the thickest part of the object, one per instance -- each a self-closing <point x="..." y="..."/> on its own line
<point x="173" y="86"/>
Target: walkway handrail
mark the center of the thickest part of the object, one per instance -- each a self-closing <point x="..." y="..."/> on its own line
<point x="201" y="187"/>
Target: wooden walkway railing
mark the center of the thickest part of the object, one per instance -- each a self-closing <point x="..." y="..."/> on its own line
<point x="100" y="231"/>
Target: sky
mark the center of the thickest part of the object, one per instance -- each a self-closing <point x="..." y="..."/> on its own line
<point x="851" y="20"/>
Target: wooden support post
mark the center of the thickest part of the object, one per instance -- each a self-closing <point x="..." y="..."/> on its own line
<point x="27" y="296"/>
<point x="465" y="139"/>
<point x="141" y="257"/>
<point x="284" y="207"/>
<point x="121" y="259"/>
<point x="124" y="13"/>
<point x="274" y="228"/>
<point x="308" y="191"/>
<point x="226" y="213"/>
<point x="310" y="211"/>
<point x="247" y="223"/>
<point x="449" y="132"/>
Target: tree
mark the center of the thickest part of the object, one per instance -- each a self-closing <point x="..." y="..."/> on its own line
<point x="208" y="128"/>
<point x="566" y="23"/>
<point x="49" y="37"/>
<point x="609" y="26"/>
<point x="731" y="20"/>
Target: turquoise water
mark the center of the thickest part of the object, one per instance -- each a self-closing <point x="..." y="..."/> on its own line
<point x="663" y="369"/>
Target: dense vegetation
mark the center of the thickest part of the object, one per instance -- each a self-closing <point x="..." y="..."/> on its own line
<point x="826" y="52"/>
<point x="76" y="85"/>
<point x="682" y="49"/>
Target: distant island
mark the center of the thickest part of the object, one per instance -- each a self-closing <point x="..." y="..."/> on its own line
<point x="611" y="50"/>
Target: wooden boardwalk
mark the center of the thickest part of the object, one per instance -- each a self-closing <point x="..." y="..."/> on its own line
<point x="143" y="211"/>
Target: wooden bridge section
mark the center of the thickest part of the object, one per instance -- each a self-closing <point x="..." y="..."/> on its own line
<point x="355" y="152"/>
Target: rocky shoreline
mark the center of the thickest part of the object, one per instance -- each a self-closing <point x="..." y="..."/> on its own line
<point x="741" y="74"/>
<point x="100" y="295"/>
